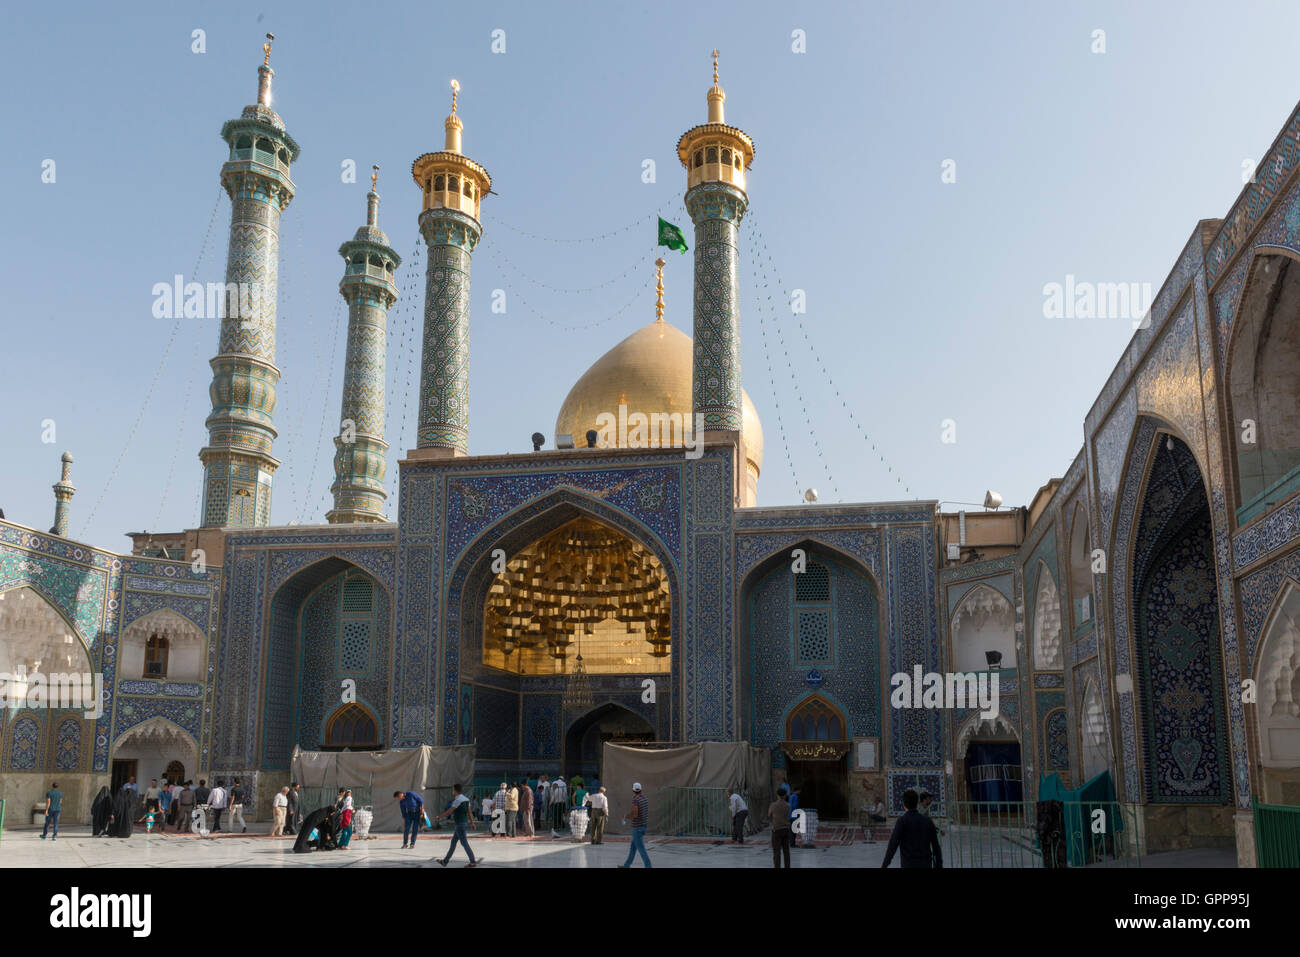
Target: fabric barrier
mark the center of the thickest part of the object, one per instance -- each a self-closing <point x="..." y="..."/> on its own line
<point x="718" y="764"/>
<point x="405" y="769"/>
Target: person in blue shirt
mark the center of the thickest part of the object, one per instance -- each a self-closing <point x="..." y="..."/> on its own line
<point x="794" y="807"/>
<point x="412" y="806"/>
<point x="53" y="808"/>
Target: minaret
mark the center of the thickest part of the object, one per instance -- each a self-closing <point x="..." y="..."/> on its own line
<point x="369" y="289"/>
<point x="237" y="461"/>
<point x="716" y="157"/>
<point x="63" y="492"/>
<point x="453" y="187"/>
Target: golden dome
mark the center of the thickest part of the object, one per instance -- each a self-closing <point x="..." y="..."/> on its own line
<point x="649" y="372"/>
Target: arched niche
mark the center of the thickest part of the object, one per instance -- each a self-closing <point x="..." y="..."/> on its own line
<point x="1081" y="595"/>
<point x="1048" y="651"/>
<point x="1277" y="677"/>
<point x="1095" y="748"/>
<point x="983" y="623"/>
<point x="163" y="645"/>
<point x="1263" y="384"/>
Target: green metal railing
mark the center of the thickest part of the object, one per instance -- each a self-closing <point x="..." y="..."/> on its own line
<point x="311" y="799"/>
<point x="1277" y="835"/>
<point x="1005" y="834"/>
<point x="698" y="812"/>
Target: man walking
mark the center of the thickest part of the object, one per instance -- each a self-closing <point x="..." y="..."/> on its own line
<point x="237" y="797"/>
<point x="599" y="812"/>
<point x="53" y="808"/>
<point x="739" y="811"/>
<point x="459" y="811"/>
<point x="279" y="805"/>
<point x="526" y="808"/>
<point x="185" y="807"/>
<point x="639" y="818"/>
<point x="218" y="800"/>
<point x="779" y="812"/>
<point x="915" y="838"/>
<point x="412" y="806"/>
<point x="295" y="802"/>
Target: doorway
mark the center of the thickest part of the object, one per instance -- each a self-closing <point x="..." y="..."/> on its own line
<point x="823" y="786"/>
<point x="124" y="769"/>
<point x="584" y="744"/>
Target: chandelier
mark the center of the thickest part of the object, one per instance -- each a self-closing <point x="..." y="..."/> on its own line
<point x="577" y="693"/>
<point x="571" y="580"/>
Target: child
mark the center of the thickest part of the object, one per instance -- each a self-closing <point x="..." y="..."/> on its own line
<point x="345" y="831"/>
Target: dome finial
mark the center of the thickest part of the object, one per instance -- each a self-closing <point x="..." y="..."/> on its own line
<point x="659" y="289"/>
<point x="715" y="66"/>
<point x="270" y="37"/>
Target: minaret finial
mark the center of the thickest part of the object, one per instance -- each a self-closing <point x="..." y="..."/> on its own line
<point x="264" y="74"/>
<point x="715" y="64"/>
<point x="372" y="199"/>
<point x="455" y="89"/>
<point x="716" y="97"/>
<point x="659" y="289"/>
<point x="266" y="50"/>
<point x="453" y="125"/>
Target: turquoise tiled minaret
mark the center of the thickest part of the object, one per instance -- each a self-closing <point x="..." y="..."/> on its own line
<point x="369" y="289"/>
<point x="716" y="157"/>
<point x="237" y="461"/>
<point x="453" y="186"/>
<point x="63" y="492"/>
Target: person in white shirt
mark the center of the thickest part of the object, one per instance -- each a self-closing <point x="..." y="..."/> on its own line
<point x="559" y="805"/>
<point x="487" y="813"/>
<point x="739" y="811"/>
<point x="499" y="804"/>
<point x="599" y="805"/>
<point x="217" y="801"/>
<point x="280" y="807"/>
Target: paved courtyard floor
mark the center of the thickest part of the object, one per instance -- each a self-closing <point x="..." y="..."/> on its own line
<point x="76" y="848"/>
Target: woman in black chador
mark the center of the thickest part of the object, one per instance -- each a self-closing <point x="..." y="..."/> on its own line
<point x="125" y="811"/>
<point x="101" y="809"/>
<point x="324" y="822"/>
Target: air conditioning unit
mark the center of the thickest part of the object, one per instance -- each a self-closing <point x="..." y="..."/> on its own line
<point x="954" y="553"/>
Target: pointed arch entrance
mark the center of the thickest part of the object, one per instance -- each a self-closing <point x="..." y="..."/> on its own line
<point x="817" y="747"/>
<point x="608" y="722"/>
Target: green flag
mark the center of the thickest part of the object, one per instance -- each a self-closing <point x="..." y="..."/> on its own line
<point x="671" y="236"/>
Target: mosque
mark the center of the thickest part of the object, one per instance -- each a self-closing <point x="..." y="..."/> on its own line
<point x="1141" y="615"/>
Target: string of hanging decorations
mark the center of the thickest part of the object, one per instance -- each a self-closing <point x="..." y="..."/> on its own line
<point x="633" y="269"/>
<point x="638" y="223"/>
<point x="771" y="383"/>
<point x="334" y="337"/>
<point x="571" y="580"/>
<point x="794" y="379"/>
<point x="146" y="404"/>
<point x="405" y="311"/>
<point x="760" y="242"/>
<point x="512" y="292"/>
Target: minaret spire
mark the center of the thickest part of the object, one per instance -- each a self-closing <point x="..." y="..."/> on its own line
<point x="716" y="157"/>
<point x="369" y="288"/>
<point x="237" y="461"/>
<point x="63" y="492"/>
<point x="453" y="186"/>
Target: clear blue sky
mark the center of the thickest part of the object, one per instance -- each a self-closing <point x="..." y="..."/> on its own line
<point x="924" y="299"/>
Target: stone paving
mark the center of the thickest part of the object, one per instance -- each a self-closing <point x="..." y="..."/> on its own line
<point x="76" y="848"/>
